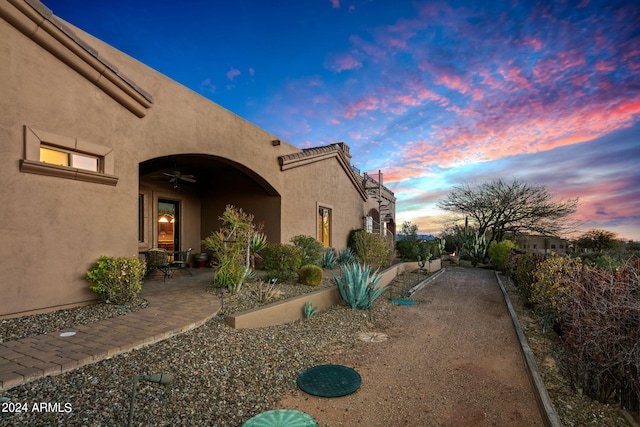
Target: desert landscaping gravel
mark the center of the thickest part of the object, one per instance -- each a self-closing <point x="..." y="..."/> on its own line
<point x="224" y="376"/>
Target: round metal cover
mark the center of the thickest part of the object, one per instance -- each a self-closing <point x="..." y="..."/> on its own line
<point x="329" y="381"/>
<point x="281" y="418"/>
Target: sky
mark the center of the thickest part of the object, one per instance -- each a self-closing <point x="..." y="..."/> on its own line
<point x="434" y="94"/>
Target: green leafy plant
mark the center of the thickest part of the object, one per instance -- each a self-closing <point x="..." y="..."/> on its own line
<point x="310" y="275"/>
<point x="309" y="310"/>
<point x="117" y="280"/>
<point x="358" y="286"/>
<point x="281" y="262"/>
<point x="329" y="259"/>
<point x="372" y="249"/>
<point x="232" y="248"/>
<point x="499" y="253"/>
<point x="312" y="249"/>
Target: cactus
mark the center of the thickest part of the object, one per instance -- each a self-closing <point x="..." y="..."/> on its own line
<point x="473" y="243"/>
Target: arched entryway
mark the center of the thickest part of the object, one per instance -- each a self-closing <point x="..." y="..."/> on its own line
<point x="182" y="196"/>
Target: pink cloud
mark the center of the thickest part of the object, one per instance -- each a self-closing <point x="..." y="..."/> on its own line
<point x="233" y="73"/>
<point x="344" y="62"/>
<point x="604" y="66"/>
<point x="361" y="106"/>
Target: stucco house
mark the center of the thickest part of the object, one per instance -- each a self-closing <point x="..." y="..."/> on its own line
<point x="92" y="145"/>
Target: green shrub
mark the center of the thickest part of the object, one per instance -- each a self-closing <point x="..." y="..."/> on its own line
<point x="351" y="239"/>
<point x="281" y="262"/>
<point x="310" y="275"/>
<point x="499" y="253"/>
<point x="117" y="280"/>
<point x="407" y="250"/>
<point x="232" y="247"/>
<point x="555" y="279"/>
<point x="312" y="249"/>
<point x="372" y="249"/>
<point x="358" y="286"/>
<point x="524" y="265"/>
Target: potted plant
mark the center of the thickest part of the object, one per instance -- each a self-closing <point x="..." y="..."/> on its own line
<point x="200" y="259"/>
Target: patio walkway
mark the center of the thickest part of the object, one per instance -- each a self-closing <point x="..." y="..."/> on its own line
<point x="177" y="305"/>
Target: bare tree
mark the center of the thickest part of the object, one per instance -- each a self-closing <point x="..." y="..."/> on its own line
<point x="499" y="208"/>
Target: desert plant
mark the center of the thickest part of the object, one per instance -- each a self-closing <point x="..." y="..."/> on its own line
<point x="312" y="249"/>
<point x="346" y="256"/>
<point x="601" y="334"/>
<point x="257" y="242"/>
<point x="281" y="262"/>
<point x="554" y="279"/>
<point x="117" y="280"/>
<point x="372" y="249"/>
<point x="358" y="286"/>
<point x="499" y="253"/>
<point x="265" y="291"/>
<point x="231" y="246"/>
<point x="329" y="259"/>
<point x="474" y="245"/>
<point x="309" y="310"/>
<point x="441" y="246"/>
<point x="310" y="275"/>
<point x="523" y="265"/>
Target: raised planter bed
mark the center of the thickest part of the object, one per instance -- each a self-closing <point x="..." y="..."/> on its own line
<point x="292" y="309"/>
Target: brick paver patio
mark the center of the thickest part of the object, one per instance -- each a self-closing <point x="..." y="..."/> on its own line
<point x="175" y="305"/>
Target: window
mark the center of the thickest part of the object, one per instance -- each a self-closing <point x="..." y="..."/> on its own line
<point x="324" y="226"/>
<point x="46" y="153"/>
<point x="61" y="157"/>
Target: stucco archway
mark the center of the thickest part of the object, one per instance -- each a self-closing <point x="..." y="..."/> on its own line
<point x="216" y="183"/>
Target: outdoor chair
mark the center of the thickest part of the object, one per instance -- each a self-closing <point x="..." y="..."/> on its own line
<point x="158" y="259"/>
<point x="181" y="261"/>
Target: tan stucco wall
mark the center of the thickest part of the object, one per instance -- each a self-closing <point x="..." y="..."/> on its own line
<point x="56" y="228"/>
<point x="326" y="184"/>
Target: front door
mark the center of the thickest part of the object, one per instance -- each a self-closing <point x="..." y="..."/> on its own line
<point x="169" y="225"/>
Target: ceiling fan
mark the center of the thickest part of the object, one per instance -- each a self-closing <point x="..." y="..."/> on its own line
<point x="175" y="176"/>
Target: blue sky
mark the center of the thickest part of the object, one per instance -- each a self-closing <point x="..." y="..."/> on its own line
<point x="433" y="93"/>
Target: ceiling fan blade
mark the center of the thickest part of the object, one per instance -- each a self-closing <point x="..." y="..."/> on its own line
<point x="188" y="178"/>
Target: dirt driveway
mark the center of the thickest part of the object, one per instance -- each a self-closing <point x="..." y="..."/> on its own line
<point x="451" y="360"/>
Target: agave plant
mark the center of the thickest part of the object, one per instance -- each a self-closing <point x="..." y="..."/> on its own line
<point x="346" y="256"/>
<point x="358" y="286"/>
<point x="329" y="259"/>
<point x="309" y="310"/>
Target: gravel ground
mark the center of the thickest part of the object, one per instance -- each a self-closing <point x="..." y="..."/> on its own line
<point x="222" y="376"/>
<point x="225" y="376"/>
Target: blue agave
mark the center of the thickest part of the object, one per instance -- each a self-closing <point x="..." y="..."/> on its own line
<point x="358" y="286"/>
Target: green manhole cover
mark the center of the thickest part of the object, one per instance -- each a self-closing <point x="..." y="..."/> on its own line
<point x="281" y="418"/>
<point x="329" y="380"/>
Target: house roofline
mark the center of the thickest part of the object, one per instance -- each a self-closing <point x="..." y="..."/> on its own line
<point x="339" y="151"/>
<point x="37" y="22"/>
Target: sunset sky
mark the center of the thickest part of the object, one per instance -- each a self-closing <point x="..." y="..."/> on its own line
<point x="432" y="93"/>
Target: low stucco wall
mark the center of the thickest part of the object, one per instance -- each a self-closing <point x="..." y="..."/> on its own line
<point x="292" y="309"/>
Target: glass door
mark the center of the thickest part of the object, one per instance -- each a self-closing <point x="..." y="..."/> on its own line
<point x="169" y="225"/>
